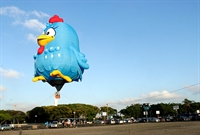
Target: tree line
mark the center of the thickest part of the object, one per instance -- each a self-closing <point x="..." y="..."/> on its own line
<point x="165" y="109"/>
<point x="89" y="112"/>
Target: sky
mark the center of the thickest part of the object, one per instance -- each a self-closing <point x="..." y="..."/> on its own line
<point x="138" y="51"/>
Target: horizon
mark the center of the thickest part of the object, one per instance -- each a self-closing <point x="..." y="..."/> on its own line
<point x="101" y="106"/>
<point x="138" y="52"/>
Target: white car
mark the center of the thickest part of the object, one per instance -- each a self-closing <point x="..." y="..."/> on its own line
<point x="111" y="121"/>
<point x="54" y="124"/>
<point x="5" y="127"/>
<point x="118" y="121"/>
<point x="127" y="121"/>
<point x="99" y="122"/>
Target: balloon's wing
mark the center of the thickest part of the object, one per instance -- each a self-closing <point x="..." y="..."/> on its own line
<point x="80" y="58"/>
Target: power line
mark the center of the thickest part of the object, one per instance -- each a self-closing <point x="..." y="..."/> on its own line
<point x="173" y="91"/>
<point x="139" y="99"/>
<point x="67" y="97"/>
<point x="46" y="99"/>
<point x="136" y="99"/>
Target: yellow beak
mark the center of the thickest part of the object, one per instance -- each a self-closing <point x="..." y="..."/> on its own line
<point x="44" y="39"/>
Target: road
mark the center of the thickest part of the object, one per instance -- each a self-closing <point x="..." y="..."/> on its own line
<point x="162" y="128"/>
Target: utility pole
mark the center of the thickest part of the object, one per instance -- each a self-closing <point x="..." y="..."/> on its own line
<point x="15" y="107"/>
<point x="146" y="108"/>
<point x="107" y="111"/>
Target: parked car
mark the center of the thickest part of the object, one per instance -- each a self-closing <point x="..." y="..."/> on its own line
<point x="133" y="120"/>
<point x="183" y="118"/>
<point x="111" y="121"/>
<point x="89" y="122"/>
<point x="154" y="119"/>
<point x="195" y="117"/>
<point x="127" y="121"/>
<point x="54" y="124"/>
<point x="169" y="118"/>
<point x="140" y="120"/>
<point x="99" y="122"/>
<point x="5" y="127"/>
<point x="118" y="121"/>
<point x="12" y="126"/>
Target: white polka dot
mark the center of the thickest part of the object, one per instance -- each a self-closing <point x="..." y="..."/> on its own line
<point x="46" y="51"/>
<point x="59" y="55"/>
<point x="57" y="48"/>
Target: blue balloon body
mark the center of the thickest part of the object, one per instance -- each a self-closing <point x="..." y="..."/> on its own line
<point x="62" y="53"/>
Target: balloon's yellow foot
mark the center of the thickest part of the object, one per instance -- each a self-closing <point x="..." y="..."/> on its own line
<point x="38" y="78"/>
<point x="57" y="73"/>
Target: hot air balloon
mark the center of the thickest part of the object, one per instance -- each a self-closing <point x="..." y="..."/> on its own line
<point x="58" y="59"/>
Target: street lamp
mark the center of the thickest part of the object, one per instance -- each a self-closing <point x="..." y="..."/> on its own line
<point x="35" y="118"/>
<point x="198" y="111"/>
<point x="74" y="118"/>
<point x="146" y="108"/>
<point x="93" y="120"/>
<point x="107" y="111"/>
<point x="176" y="108"/>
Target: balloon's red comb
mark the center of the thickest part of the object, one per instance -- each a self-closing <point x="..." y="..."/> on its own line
<point x="55" y="18"/>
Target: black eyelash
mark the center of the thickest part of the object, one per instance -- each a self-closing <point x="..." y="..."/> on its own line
<point x="55" y="27"/>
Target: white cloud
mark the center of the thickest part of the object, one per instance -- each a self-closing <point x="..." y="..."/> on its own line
<point x="39" y="14"/>
<point x="21" y="106"/>
<point x="30" y="19"/>
<point x="128" y="100"/>
<point x="2" y="88"/>
<point x="9" y="73"/>
<point x="34" y="24"/>
<point x="156" y="95"/>
<point x="31" y="37"/>
<point x="194" y="89"/>
<point x="152" y="97"/>
<point x="12" y="11"/>
<point x="15" y="12"/>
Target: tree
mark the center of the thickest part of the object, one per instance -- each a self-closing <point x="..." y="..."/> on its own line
<point x="83" y="110"/>
<point x="44" y="113"/>
<point x="187" y="104"/>
<point x="17" y="116"/>
<point x="195" y="106"/>
<point x="123" y="111"/>
<point x="4" y="116"/>
<point x="134" y="110"/>
<point x="111" y="111"/>
<point x="164" y="108"/>
<point x="37" y="114"/>
<point x="57" y="112"/>
<point x="88" y="112"/>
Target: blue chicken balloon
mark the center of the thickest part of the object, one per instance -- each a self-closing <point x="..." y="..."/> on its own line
<point x="58" y="59"/>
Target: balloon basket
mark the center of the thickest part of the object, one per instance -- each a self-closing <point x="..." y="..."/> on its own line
<point x="57" y="95"/>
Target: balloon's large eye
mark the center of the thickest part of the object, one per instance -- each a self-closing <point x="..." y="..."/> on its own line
<point x="50" y="32"/>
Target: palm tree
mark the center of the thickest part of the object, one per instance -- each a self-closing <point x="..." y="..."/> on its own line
<point x="187" y="104"/>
